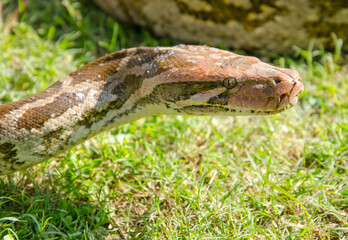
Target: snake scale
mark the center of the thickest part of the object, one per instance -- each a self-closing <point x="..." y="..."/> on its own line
<point x="134" y="83"/>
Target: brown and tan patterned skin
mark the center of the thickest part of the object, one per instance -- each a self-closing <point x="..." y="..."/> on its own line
<point x="138" y="82"/>
<point x="253" y="25"/>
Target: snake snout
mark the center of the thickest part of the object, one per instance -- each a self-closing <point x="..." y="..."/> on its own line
<point x="289" y="95"/>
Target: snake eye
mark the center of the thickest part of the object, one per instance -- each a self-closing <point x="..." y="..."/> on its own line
<point x="230" y="82"/>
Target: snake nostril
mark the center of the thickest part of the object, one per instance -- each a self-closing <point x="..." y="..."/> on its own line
<point x="276" y="80"/>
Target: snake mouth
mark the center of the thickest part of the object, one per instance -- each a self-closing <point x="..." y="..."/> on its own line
<point x="279" y="110"/>
<point x="215" y="110"/>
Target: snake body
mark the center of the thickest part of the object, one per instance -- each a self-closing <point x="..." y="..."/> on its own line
<point x="134" y="83"/>
<point x="252" y="25"/>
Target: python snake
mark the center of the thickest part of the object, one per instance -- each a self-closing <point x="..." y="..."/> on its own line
<point x="134" y="83"/>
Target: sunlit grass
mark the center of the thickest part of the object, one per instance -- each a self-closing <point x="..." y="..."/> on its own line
<point x="175" y="177"/>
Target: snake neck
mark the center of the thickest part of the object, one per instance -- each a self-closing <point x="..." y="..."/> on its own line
<point x="93" y="99"/>
<point x="41" y="128"/>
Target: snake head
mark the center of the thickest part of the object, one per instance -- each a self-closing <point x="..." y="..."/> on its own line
<point x="201" y="80"/>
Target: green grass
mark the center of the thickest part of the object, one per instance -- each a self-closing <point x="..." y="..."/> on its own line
<point x="164" y="177"/>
